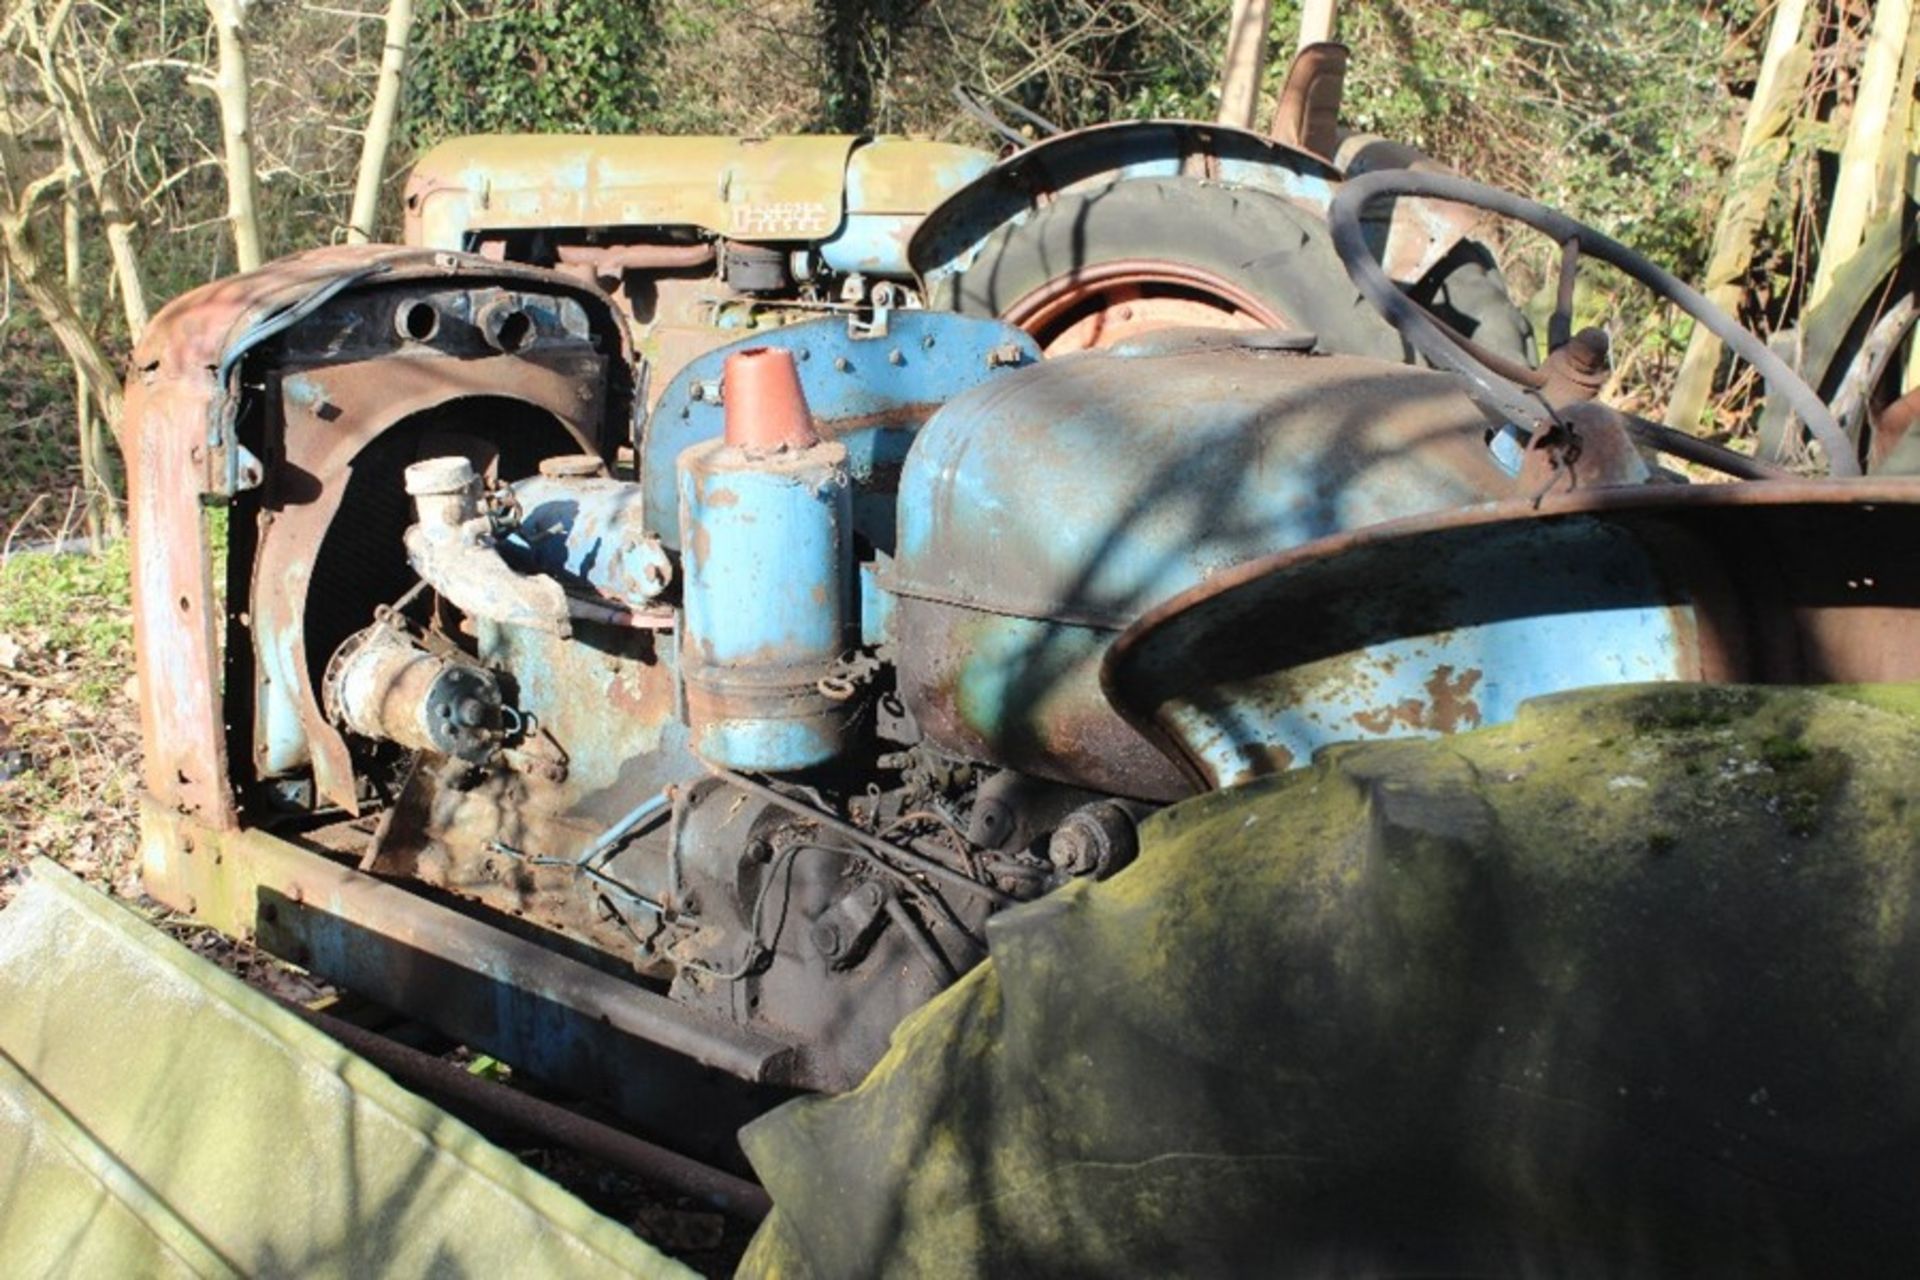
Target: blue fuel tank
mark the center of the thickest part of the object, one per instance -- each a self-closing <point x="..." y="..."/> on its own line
<point x="1043" y="513"/>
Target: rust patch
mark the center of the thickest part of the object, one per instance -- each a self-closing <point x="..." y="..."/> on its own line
<point x="1382" y="719"/>
<point x="1449" y="707"/>
<point x="639" y="693"/>
<point x="1451" y="701"/>
<point x="903" y="417"/>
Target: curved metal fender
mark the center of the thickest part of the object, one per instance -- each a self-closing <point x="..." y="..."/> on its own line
<point x="1446" y="621"/>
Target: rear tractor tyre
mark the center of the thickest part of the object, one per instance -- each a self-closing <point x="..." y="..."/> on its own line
<point x="1097" y="267"/>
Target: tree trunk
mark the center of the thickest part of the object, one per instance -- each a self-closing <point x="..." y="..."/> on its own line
<point x="56" y="310"/>
<point x="1863" y="187"/>
<point x="380" y="120"/>
<point x="111" y="197"/>
<point x="230" y="88"/>
<point x="18" y="243"/>
<point x="1756" y="172"/>
<point x="1316" y="22"/>
<point x="1902" y="155"/>
<point x="1246" y="58"/>
<point x="67" y="92"/>
<point x="98" y="483"/>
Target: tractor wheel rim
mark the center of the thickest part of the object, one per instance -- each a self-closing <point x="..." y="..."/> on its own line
<point x="1104" y="304"/>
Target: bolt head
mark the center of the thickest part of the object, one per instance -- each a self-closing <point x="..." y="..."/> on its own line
<point x="1074" y="850"/>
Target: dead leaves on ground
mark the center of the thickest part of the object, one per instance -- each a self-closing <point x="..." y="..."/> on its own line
<point x="69" y="761"/>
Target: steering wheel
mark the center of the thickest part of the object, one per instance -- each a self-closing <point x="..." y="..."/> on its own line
<point x="1491" y="381"/>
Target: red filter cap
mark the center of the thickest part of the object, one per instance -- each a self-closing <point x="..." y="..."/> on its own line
<point x="765" y="408"/>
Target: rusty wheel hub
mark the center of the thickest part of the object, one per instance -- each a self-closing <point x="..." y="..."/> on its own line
<point x="1105" y="304"/>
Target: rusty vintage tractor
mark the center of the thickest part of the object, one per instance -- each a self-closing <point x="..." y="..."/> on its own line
<point x="674" y="722"/>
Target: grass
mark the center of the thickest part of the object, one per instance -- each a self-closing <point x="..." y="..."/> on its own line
<point x="78" y="610"/>
<point x="69" y="729"/>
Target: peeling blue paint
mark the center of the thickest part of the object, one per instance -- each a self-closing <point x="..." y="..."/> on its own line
<point x="767" y="563"/>
<point x="870" y="392"/>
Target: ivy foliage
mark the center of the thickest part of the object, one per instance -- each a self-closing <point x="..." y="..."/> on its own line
<point x="1622" y="112"/>
<point x="533" y="66"/>
<point x="1127" y="60"/>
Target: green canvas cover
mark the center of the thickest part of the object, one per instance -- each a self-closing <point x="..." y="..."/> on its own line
<point x="159" y="1117"/>
<point x="1625" y="987"/>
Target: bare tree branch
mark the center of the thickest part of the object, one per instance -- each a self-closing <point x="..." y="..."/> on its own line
<point x="380" y="120"/>
<point x="230" y="86"/>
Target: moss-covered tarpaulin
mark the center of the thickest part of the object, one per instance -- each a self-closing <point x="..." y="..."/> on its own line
<point x="1625" y="987"/>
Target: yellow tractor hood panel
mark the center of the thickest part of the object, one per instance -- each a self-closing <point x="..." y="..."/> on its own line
<point x="770" y="189"/>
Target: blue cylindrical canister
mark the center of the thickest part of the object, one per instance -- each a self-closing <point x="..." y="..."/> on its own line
<point x="767" y="572"/>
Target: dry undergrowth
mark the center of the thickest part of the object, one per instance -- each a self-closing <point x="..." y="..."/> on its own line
<point x="70" y="744"/>
<point x="69" y="730"/>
